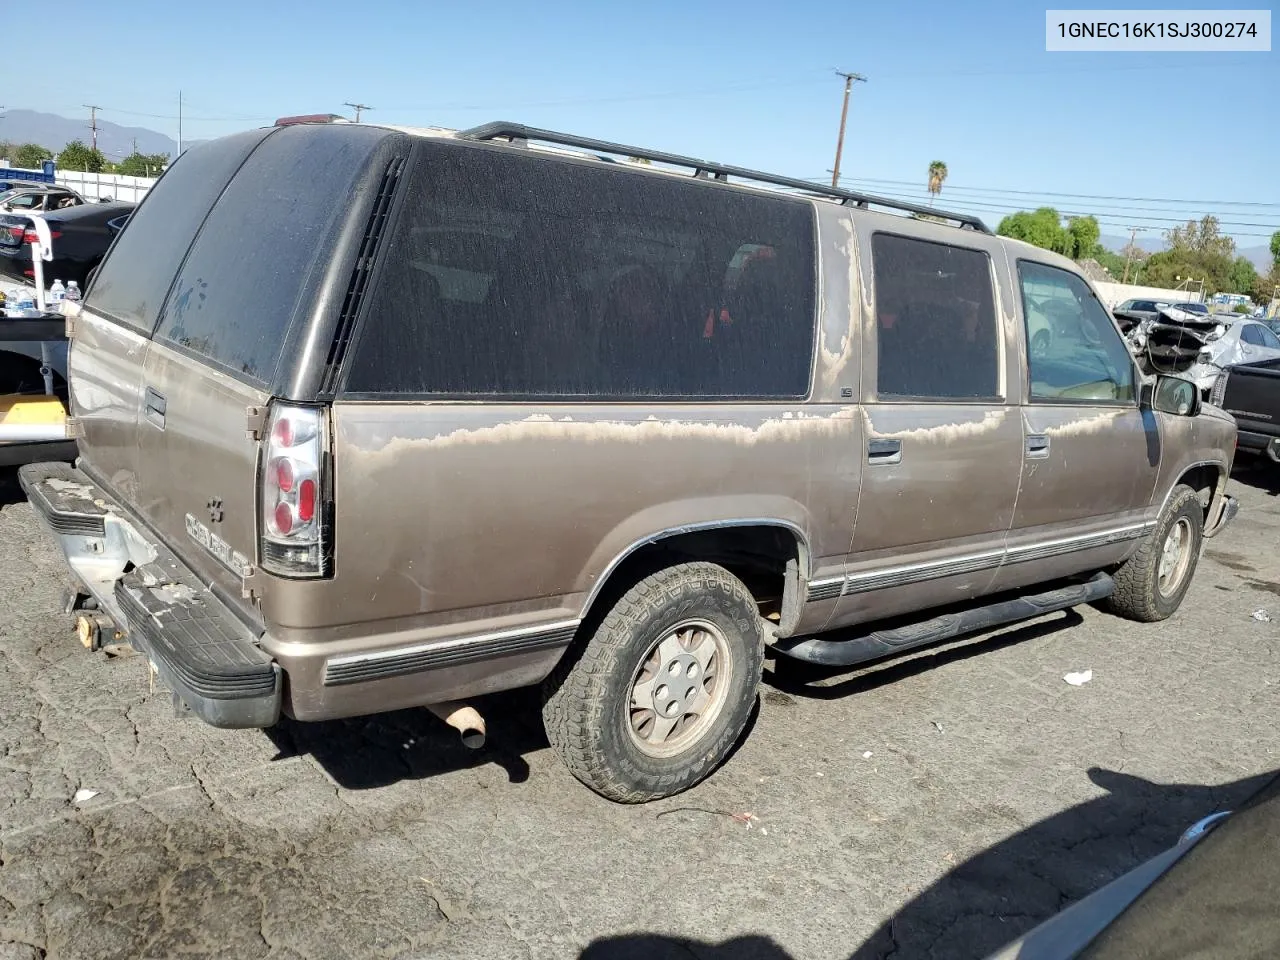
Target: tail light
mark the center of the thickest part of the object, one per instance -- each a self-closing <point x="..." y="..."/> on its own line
<point x="1219" y="389"/>
<point x="29" y="236"/>
<point x="296" y="528"/>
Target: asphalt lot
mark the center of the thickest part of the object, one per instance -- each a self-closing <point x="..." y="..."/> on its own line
<point x="935" y="807"/>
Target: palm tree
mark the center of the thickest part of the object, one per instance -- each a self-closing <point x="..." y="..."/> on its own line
<point x="937" y="175"/>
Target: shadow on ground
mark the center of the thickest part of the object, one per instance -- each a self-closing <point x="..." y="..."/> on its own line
<point x="1257" y="472"/>
<point x="10" y="491"/>
<point x="1006" y="890"/>
<point x="364" y="753"/>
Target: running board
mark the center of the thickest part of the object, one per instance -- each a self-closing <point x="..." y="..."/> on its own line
<point x="880" y="643"/>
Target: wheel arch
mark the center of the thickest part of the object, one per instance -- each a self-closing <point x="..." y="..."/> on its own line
<point x="770" y="555"/>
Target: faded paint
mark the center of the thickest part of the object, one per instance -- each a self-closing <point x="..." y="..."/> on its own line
<point x="961" y="424"/>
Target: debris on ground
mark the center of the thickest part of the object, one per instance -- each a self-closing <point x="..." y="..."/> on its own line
<point x="83" y="795"/>
<point x="1079" y="679"/>
<point x="867" y="755"/>
<point x="746" y="818"/>
<point x="938" y="726"/>
<point x="1261" y="616"/>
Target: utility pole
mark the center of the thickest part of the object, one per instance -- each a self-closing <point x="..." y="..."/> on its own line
<point x="179" y="124"/>
<point x="357" y="107"/>
<point x="849" y="78"/>
<point x="93" y="122"/>
<point x="1133" y="233"/>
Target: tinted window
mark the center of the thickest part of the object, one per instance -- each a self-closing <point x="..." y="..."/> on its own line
<point x="519" y="275"/>
<point x="935" y="320"/>
<point x="1076" y="354"/>
<point x="1267" y="338"/>
<point x="1249" y="334"/>
<point x="236" y="294"/>
<point x="132" y="282"/>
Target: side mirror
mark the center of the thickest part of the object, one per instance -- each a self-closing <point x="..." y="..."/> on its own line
<point x="1172" y="395"/>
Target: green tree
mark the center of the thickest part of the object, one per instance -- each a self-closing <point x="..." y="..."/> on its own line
<point x="76" y="156"/>
<point x="1202" y="236"/>
<point x="142" y="164"/>
<point x="1041" y="228"/>
<point x="1243" y="276"/>
<point x="1275" y="249"/>
<point x="1084" y="233"/>
<point x="6" y="150"/>
<point x="937" y="177"/>
<point x="30" y="156"/>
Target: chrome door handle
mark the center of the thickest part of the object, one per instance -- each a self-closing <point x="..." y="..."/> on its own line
<point x="884" y="451"/>
<point x="1038" y="446"/>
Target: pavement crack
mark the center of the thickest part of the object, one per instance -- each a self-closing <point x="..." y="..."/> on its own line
<point x="200" y="782"/>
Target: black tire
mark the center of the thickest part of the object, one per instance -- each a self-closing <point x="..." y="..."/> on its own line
<point x="587" y="701"/>
<point x="1139" y="594"/>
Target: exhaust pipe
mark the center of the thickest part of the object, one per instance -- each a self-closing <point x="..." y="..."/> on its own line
<point x="463" y="718"/>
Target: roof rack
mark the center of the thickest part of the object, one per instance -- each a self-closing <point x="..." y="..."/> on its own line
<point x="703" y="169"/>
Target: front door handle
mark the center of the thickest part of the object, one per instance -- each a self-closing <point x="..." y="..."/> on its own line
<point x="884" y="451"/>
<point x="1038" y="446"/>
<point x="155" y="408"/>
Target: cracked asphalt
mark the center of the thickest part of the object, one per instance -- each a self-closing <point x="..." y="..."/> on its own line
<point x="934" y="807"/>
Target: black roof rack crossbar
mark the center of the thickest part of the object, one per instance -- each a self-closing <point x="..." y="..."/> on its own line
<point x="703" y="169"/>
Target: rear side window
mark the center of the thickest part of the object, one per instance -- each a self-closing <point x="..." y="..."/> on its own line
<point x="237" y="292"/>
<point x="936" y="327"/>
<point x="133" y="280"/>
<point x="519" y="276"/>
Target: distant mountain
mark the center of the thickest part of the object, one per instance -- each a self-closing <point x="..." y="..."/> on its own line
<point x="1260" y="256"/>
<point x="54" y="132"/>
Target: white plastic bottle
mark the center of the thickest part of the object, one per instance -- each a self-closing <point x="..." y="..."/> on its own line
<point x="57" y="292"/>
<point x="73" y="291"/>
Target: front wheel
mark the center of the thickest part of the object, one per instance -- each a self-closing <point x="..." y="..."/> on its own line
<point x="1151" y="584"/>
<point x="663" y="689"/>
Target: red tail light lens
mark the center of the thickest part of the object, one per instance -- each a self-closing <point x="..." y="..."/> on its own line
<point x="29" y="236"/>
<point x="307" y="501"/>
<point x="295" y="540"/>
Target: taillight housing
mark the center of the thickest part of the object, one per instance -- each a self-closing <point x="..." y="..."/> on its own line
<point x="296" y="534"/>
<point x="30" y="236"/>
<point x="1219" y="390"/>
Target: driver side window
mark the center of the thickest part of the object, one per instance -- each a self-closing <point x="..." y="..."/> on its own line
<point x="1075" y="354"/>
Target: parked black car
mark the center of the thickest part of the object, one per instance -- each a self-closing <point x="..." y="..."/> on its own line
<point x="1250" y="392"/>
<point x="81" y="236"/>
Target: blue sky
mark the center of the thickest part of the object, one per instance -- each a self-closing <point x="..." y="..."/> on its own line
<point x="749" y="82"/>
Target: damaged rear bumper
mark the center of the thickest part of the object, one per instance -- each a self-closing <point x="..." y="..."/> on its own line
<point x="201" y="651"/>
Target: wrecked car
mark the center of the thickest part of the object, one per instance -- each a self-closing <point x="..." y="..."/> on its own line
<point x="510" y="416"/>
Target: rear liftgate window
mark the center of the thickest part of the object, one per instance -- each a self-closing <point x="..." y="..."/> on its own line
<point x="935" y="320"/>
<point x="239" y="287"/>
<point x="519" y="276"/>
<point x="132" y="282"/>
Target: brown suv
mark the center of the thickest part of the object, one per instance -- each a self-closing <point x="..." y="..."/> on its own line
<point x="370" y="419"/>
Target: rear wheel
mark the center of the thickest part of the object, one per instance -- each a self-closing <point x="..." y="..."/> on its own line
<point x="1151" y="584"/>
<point x="663" y="688"/>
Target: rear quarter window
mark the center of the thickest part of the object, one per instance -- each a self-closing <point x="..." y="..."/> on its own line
<point x="510" y="275"/>
<point x="250" y="266"/>
<point x="135" y="277"/>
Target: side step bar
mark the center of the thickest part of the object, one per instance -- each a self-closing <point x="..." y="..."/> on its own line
<point x="880" y="643"/>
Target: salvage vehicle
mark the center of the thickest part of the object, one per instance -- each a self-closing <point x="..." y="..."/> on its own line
<point x="507" y="416"/>
<point x="1250" y="392"/>
<point x="81" y="236"/>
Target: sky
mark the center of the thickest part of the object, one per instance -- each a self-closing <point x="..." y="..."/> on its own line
<point x="1170" y="135"/>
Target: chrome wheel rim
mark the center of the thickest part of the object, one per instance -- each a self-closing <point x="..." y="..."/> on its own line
<point x="1175" y="557"/>
<point x="679" y="688"/>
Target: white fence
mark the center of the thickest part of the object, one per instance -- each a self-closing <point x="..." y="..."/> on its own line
<point x="1113" y="294"/>
<point x="94" y="186"/>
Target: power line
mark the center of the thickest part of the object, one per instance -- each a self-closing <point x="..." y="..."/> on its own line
<point x="1084" y="196"/>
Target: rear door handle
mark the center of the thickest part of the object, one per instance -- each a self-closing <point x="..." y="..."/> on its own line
<point x="884" y="451"/>
<point x="1038" y="446"/>
<point x="155" y="408"/>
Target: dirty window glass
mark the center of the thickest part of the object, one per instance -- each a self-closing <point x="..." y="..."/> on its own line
<point x="1075" y="353"/>
<point x="133" y="280"/>
<point x="236" y="294"/>
<point x="522" y="276"/>
<point x="1266" y="337"/>
<point x="937" y="337"/>
<point x="1249" y="334"/>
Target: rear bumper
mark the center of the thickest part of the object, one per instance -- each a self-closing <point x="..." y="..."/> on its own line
<point x="202" y="652"/>
<point x="1259" y="443"/>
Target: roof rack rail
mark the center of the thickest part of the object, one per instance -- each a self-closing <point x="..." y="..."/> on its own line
<point x="703" y="169"/>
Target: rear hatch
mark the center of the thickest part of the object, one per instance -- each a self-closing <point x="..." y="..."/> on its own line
<point x="256" y="288"/>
